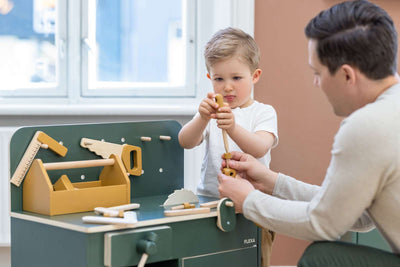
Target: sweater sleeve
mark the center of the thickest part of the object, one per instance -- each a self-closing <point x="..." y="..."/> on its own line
<point x="352" y="180"/>
<point x="289" y="188"/>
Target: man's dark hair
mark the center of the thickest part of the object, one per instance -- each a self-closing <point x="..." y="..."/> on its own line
<point x="357" y="33"/>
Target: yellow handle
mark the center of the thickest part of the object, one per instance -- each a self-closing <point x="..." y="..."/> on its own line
<point x="220" y="100"/>
<point x="53" y="144"/>
<point x="132" y="159"/>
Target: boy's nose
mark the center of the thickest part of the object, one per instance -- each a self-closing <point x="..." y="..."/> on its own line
<point x="228" y="87"/>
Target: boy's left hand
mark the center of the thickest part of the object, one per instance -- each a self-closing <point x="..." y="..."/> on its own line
<point x="225" y="118"/>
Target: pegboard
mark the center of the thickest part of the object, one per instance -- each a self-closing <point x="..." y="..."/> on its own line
<point x="162" y="160"/>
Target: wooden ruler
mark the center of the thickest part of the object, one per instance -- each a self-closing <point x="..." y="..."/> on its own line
<point x="40" y="139"/>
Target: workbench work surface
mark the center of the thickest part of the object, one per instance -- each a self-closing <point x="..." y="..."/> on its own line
<point x="150" y="213"/>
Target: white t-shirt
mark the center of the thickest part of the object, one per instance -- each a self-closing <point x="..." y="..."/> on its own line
<point x="361" y="188"/>
<point x="254" y="118"/>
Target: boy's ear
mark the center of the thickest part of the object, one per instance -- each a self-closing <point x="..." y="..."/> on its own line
<point x="256" y="75"/>
<point x="208" y="76"/>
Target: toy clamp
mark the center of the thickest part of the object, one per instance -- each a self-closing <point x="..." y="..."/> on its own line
<point x="226" y="216"/>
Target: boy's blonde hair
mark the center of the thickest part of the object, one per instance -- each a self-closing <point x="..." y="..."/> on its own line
<point x="230" y="42"/>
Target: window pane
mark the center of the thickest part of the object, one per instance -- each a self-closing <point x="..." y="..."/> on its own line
<point x="27" y="44"/>
<point x="138" y="43"/>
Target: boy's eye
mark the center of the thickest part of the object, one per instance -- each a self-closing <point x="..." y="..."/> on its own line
<point x="237" y="78"/>
<point x="218" y="79"/>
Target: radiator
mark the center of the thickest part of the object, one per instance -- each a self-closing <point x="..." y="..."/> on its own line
<point x="5" y="136"/>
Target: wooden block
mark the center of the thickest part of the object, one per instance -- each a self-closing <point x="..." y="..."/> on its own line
<point x="63" y="183"/>
<point x="227" y="155"/>
<point x="229" y="172"/>
<point x="211" y="204"/>
<point x="165" y="138"/>
<point x="184" y="206"/>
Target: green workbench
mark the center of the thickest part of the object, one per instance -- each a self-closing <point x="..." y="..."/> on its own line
<point x="64" y="240"/>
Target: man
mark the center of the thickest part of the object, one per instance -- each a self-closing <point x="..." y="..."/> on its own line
<point x="353" y="51"/>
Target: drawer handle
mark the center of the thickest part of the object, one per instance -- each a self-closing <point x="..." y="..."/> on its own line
<point x="147" y="247"/>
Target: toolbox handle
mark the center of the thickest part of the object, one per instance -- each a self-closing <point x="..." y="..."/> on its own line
<point x="78" y="164"/>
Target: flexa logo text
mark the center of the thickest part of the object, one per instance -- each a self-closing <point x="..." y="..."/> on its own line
<point x="249" y="241"/>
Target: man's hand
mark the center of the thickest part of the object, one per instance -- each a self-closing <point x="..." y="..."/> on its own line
<point x="252" y="170"/>
<point x="236" y="189"/>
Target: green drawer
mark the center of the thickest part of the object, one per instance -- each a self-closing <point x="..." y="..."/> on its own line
<point x="243" y="257"/>
<point x="121" y="248"/>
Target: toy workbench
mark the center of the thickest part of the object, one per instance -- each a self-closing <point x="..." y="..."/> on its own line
<point x="58" y="176"/>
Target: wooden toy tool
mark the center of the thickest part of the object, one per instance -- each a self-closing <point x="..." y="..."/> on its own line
<point x="227" y="171"/>
<point x="211" y="204"/>
<point x="41" y="196"/>
<point x="186" y="211"/>
<point x="116" y="211"/>
<point x="39" y="140"/>
<point x="226" y="216"/>
<point x="130" y="155"/>
<point x="181" y="196"/>
<point x="185" y="205"/>
<point x="129" y="218"/>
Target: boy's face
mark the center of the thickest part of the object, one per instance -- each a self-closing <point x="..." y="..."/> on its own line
<point x="234" y="81"/>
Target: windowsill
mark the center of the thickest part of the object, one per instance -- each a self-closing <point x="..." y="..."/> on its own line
<point x="101" y="109"/>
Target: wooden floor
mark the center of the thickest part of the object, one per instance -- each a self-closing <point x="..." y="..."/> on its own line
<point x="5" y="257"/>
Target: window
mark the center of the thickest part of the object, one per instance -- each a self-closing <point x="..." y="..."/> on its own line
<point x="138" y="48"/>
<point x="117" y="54"/>
<point x="31" y="48"/>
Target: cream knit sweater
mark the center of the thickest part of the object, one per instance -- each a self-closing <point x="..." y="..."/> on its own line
<point x="361" y="188"/>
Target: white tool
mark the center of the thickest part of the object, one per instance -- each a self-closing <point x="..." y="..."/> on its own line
<point x="117" y="211"/>
<point x="130" y="218"/>
<point x="40" y="139"/>
<point x="131" y="206"/>
<point x="181" y="196"/>
<point x="109" y="212"/>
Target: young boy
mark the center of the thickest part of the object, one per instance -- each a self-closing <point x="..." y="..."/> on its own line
<point x="232" y="59"/>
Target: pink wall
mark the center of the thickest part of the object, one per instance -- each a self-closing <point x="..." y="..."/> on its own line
<point x="306" y="122"/>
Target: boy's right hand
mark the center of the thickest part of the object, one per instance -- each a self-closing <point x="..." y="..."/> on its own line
<point x="208" y="107"/>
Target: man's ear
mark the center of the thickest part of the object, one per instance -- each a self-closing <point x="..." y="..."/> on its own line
<point x="208" y="76"/>
<point x="256" y="75"/>
<point x="349" y="74"/>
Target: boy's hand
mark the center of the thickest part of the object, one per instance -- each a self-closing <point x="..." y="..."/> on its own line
<point x="225" y="118"/>
<point x="208" y="107"/>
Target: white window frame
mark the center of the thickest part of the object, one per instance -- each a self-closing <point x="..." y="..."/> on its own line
<point x="211" y="16"/>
